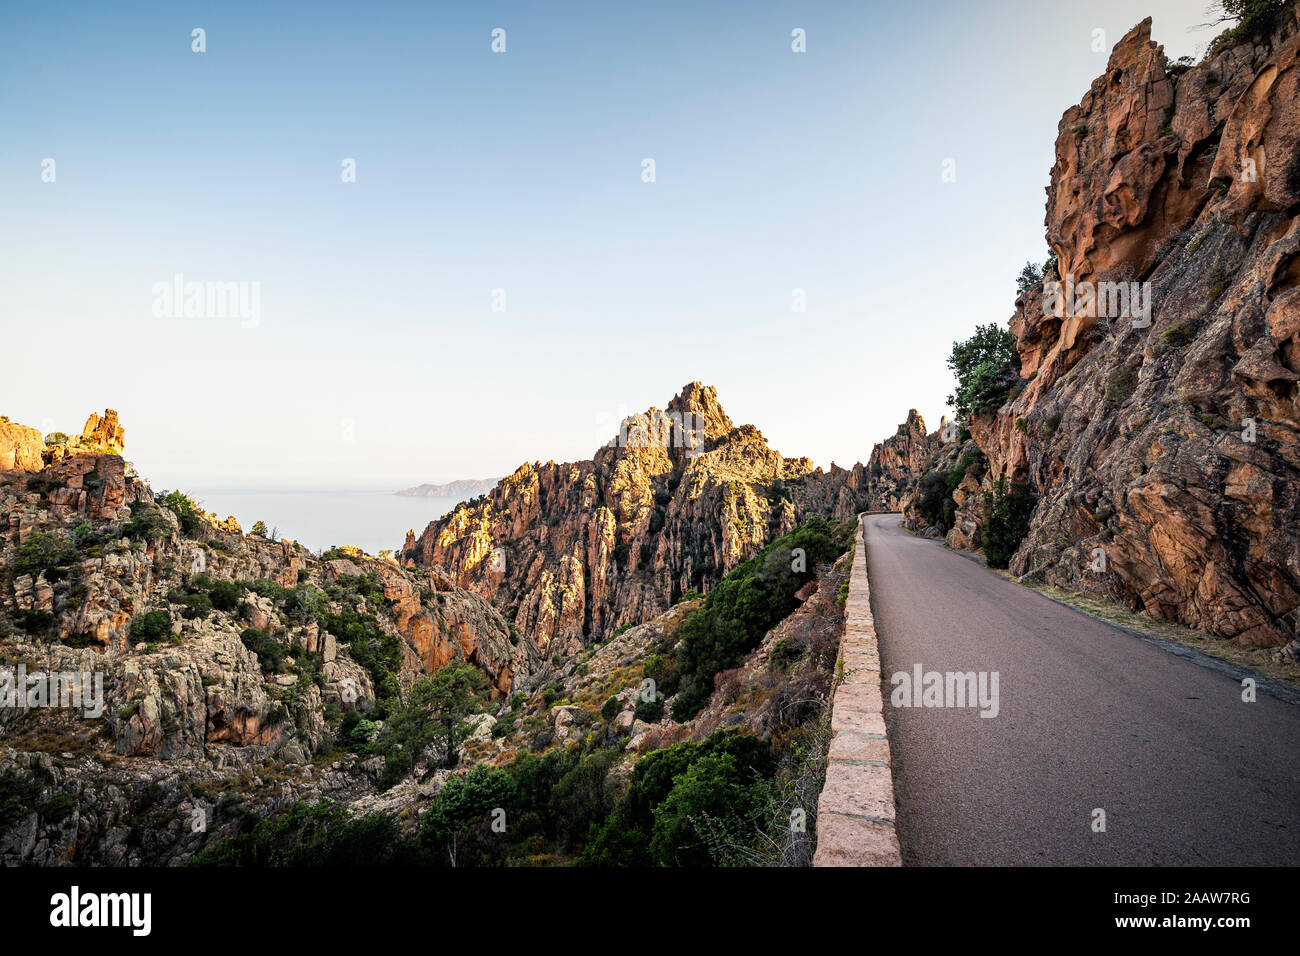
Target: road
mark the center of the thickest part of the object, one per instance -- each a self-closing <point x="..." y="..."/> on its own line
<point x="1089" y="717"/>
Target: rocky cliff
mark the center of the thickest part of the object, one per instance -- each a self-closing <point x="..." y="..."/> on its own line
<point x="1163" y="450"/>
<point x="573" y="552"/>
<point x="245" y="678"/>
<point x="217" y="651"/>
<point x="897" y="462"/>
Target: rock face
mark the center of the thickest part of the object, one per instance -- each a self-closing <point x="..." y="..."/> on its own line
<point x="570" y="553"/>
<point x="102" y="434"/>
<point x="21" y="448"/>
<point x="897" y="462"/>
<point x="87" y="554"/>
<point x="1172" y="449"/>
<point x="24" y="449"/>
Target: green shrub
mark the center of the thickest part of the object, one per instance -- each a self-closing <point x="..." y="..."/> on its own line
<point x="41" y="551"/>
<point x="639" y="833"/>
<point x="318" y="835"/>
<point x="147" y="525"/>
<point x="18" y="794"/>
<point x="196" y="606"/>
<point x="785" y="652"/>
<point x="35" y="622"/>
<point x="226" y="595"/>
<point x="270" y="652"/>
<point x="187" y="512"/>
<point x="267" y="588"/>
<point x="610" y="709"/>
<point x="464" y="803"/>
<point x="651" y="711"/>
<point x="1256" y="18"/>
<point x="1030" y="276"/>
<point x="435" y="710"/>
<point x="745" y="605"/>
<point x="1178" y="335"/>
<point x="1007" y="523"/>
<point x="1120" y="386"/>
<point x="151" y="626"/>
<point x="986" y="366"/>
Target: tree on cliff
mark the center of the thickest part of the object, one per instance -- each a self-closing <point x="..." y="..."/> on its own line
<point x="436" y="708"/>
<point x="1254" y="17"/>
<point x="987" y="367"/>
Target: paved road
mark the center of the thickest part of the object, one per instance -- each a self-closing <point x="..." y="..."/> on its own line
<point x="1089" y="717"/>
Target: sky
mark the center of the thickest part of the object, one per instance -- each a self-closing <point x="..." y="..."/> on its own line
<point x="500" y="283"/>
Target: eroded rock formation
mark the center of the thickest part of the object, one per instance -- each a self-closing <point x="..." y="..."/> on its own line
<point x="573" y="552"/>
<point x="1172" y="448"/>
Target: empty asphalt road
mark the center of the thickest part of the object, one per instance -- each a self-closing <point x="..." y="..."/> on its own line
<point x="1090" y="717"/>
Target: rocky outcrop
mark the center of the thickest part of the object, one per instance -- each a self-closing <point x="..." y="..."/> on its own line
<point x="24" y="449"/>
<point x="101" y="435"/>
<point x="89" y="555"/>
<point x="570" y="553"/>
<point x="21" y="448"/>
<point x="1166" y="456"/>
<point x="897" y="462"/>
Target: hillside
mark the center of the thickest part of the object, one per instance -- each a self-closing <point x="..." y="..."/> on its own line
<point x="571" y="553"/>
<point x="462" y="489"/>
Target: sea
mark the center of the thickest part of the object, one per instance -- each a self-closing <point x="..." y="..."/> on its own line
<point x="372" y="520"/>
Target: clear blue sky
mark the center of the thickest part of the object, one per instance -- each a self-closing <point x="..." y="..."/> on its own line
<point x="377" y="360"/>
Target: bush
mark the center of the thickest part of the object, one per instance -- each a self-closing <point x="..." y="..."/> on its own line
<point x="1007" y="523"/>
<point x="35" y="622"/>
<point x="270" y="652"/>
<point x="378" y="652"/>
<point x="147" y="525"/>
<point x="197" y="606"/>
<point x="151" y="626"/>
<point x="187" y="512"/>
<point x="1178" y="335"/>
<point x="41" y="551"/>
<point x="610" y="709"/>
<point x="716" y="801"/>
<point x="319" y="835"/>
<point x="651" y="711"/>
<point x="1120" y="386"/>
<point x="268" y="589"/>
<point x="304" y="603"/>
<point x="987" y="368"/>
<point x="1030" y="276"/>
<point x="464" y="803"/>
<point x="226" y="595"/>
<point x="1255" y="17"/>
<point x="625" y="837"/>
<point x="745" y="605"/>
<point x="259" y="529"/>
<point x="785" y="652"/>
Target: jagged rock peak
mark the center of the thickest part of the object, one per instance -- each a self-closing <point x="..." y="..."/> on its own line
<point x="701" y="400"/>
<point x="105" y="434"/>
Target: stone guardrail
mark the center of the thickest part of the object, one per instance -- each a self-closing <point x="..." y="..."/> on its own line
<point x="855" y="813"/>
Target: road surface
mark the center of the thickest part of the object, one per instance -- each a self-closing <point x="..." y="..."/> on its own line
<point x="1090" y="717"/>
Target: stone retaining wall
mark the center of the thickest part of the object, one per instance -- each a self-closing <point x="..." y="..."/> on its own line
<point x="855" y="814"/>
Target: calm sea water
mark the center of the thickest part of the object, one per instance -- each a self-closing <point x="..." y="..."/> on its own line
<point x="373" y="521"/>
